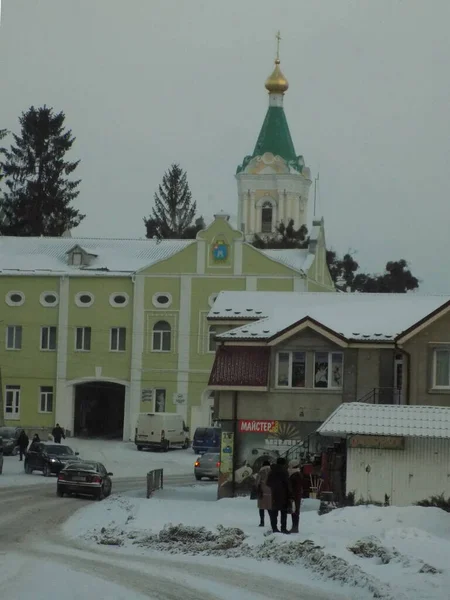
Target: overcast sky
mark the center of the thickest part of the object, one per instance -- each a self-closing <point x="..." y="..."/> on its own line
<point x="145" y="83"/>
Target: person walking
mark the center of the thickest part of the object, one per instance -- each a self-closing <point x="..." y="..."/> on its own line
<point x="58" y="433"/>
<point x="34" y="442"/>
<point x="264" y="493"/>
<point x="22" y="442"/>
<point x="295" y="479"/>
<point x="279" y="484"/>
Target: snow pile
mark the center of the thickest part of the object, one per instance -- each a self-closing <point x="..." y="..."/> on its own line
<point x="387" y="551"/>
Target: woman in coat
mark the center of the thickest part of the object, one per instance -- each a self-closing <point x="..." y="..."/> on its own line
<point x="280" y="485"/>
<point x="264" y="493"/>
<point x="295" y="479"/>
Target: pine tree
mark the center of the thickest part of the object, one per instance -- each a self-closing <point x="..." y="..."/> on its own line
<point x="286" y="236"/>
<point x="38" y="192"/>
<point x="172" y="217"/>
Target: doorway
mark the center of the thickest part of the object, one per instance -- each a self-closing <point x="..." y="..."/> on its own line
<point x="99" y="409"/>
<point x="398" y="379"/>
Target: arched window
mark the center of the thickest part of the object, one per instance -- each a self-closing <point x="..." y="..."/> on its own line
<point x="162" y="334"/>
<point x="211" y="341"/>
<point x="266" y="217"/>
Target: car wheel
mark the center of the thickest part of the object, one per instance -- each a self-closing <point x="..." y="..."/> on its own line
<point x="139" y="448"/>
<point x="185" y="445"/>
<point x="59" y="492"/>
<point x="198" y="477"/>
<point x="28" y="469"/>
<point x="46" y="471"/>
<point x="166" y="446"/>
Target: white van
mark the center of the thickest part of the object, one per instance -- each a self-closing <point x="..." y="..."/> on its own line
<point x="161" y="430"/>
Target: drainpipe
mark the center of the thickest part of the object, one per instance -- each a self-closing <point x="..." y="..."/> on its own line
<point x="235" y="408"/>
<point x="408" y="371"/>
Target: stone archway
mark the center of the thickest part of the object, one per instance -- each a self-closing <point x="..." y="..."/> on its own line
<point x="99" y="409"/>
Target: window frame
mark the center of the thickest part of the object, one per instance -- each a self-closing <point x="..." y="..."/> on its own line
<point x="16" y="397"/>
<point x="80" y="304"/>
<point x="157" y="304"/>
<point x="118" y="330"/>
<point x="291" y="361"/>
<point x="445" y="349"/>
<point x="49" y="304"/>
<point x="45" y="395"/>
<point x="330" y="371"/>
<point x="49" y="329"/>
<point x="161" y="333"/>
<point x="83" y="328"/>
<point x="267" y="206"/>
<point x="14" y="346"/>
<point x="155" y="392"/>
<point x="212" y="335"/>
<point x="115" y="304"/>
<point x="10" y="302"/>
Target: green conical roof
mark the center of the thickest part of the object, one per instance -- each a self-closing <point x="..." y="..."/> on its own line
<point x="275" y="136"/>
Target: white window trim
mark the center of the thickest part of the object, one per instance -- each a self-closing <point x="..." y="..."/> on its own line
<point x="12" y="416"/>
<point x="330" y="363"/>
<point x="118" y="305"/>
<point x="208" y="344"/>
<point x="157" y="304"/>
<point x="161" y="331"/>
<point x="75" y="341"/>
<point x="81" y="304"/>
<point x="49" y="327"/>
<point x="291" y="359"/>
<point x="40" y="394"/>
<point x="14" y="349"/>
<point x="434" y="385"/>
<point x="118" y="328"/>
<point x="8" y="300"/>
<point x="49" y="304"/>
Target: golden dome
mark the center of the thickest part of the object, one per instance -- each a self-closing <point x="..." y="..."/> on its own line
<point x="277" y="83"/>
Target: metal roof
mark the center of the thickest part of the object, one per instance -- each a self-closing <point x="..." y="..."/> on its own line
<point x="387" y="419"/>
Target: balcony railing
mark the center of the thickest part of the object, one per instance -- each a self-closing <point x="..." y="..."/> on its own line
<point x="383" y="395"/>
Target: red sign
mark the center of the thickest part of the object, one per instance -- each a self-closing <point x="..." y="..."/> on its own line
<point x="251" y="426"/>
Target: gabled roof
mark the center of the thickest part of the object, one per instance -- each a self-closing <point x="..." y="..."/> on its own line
<point x="355" y="317"/>
<point x="353" y="418"/>
<point x="241" y="366"/>
<point x="298" y="259"/>
<point x="114" y="256"/>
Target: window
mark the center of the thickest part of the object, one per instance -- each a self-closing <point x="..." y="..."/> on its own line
<point x="15" y="298"/>
<point x="441" y="378"/>
<point x="160" y="400"/>
<point x="119" y="299"/>
<point x="14" y="337"/>
<point x="328" y="370"/>
<point x="83" y="338"/>
<point x="162" y="299"/>
<point x="291" y="369"/>
<point x="118" y="339"/>
<point x="12" y="402"/>
<point x="46" y="399"/>
<point x="48" y="338"/>
<point x="161" y="337"/>
<point x="266" y="218"/>
<point x="212" y="344"/>
<point x="49" y="299"/>
<point x="77" y="259"/>
<point x="84" y="299"/>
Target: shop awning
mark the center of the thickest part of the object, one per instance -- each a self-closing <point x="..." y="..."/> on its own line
<point x="240" y="367"/>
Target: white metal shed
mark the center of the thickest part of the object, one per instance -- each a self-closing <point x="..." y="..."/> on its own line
<point x="399" y="451"/>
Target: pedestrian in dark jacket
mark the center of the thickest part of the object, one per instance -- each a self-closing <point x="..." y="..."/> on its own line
<point x="22" y="442"/>
<point x="264" y="493"/>
<point x="34" y="442"/>
<point x="278" y="481"/>
<point x="295" y="479"/>
<point x="58" y="433"/>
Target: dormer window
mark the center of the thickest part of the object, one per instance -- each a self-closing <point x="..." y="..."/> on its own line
<point x="77" y="259"/>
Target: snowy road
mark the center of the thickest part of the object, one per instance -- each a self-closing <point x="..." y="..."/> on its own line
<point x="30" y="534"/>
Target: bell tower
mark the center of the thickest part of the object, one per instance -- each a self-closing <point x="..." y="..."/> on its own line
<point x="273" y="182"/>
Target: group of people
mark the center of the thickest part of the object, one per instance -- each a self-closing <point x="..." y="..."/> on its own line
<point x="279" y="492"/>
<point x="22" y="441"/>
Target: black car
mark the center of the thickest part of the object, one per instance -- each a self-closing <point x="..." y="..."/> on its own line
<point x="86" y="478"/>
<point x="48" y="457"/>
<point x="9" y="436"/>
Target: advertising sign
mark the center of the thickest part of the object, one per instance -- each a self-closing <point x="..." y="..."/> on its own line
<point x="253" y="426"/>
<point x="380" y="442"/>
<point x="226" y="465"/>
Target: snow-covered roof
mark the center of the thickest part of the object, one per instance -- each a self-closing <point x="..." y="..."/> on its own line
<point x="298" y="259"/>
<point x="353" y="418"/>
<point x="376" y="317"/>
<point x="112" y="256"/>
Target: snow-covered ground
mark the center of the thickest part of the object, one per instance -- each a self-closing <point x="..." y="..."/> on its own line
<point x="121" y="458"/>
<point x="403" y="541"/>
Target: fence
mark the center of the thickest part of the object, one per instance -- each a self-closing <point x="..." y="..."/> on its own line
<point x="155" y="481"/>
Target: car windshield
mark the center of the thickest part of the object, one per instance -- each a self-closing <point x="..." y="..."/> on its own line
<point x="58" y="450"/>
<point x="7" y="433"/>
<point x="212" y="456"/>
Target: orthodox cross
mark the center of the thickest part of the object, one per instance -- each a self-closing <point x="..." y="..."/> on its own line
<point x="278" y="36"/>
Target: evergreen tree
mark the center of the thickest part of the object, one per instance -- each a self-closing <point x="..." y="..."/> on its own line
<point x="38" y="192"/>
<point x="286" y="236"/>
<point x="172" y="217"/>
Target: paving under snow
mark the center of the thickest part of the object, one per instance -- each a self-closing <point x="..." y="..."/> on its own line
<point x="397" y="552"/>
<point x="121" y="458"/>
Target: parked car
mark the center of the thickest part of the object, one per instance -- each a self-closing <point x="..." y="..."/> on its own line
<point x="206" y="439"/>
<point x="86" y="478"/>
<point x="1" y="456"/>
<point x="49" y="458"/>
<point x="162" y="431"/>
<point x="9" y="436"/>
<point x="207" y="466"/>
